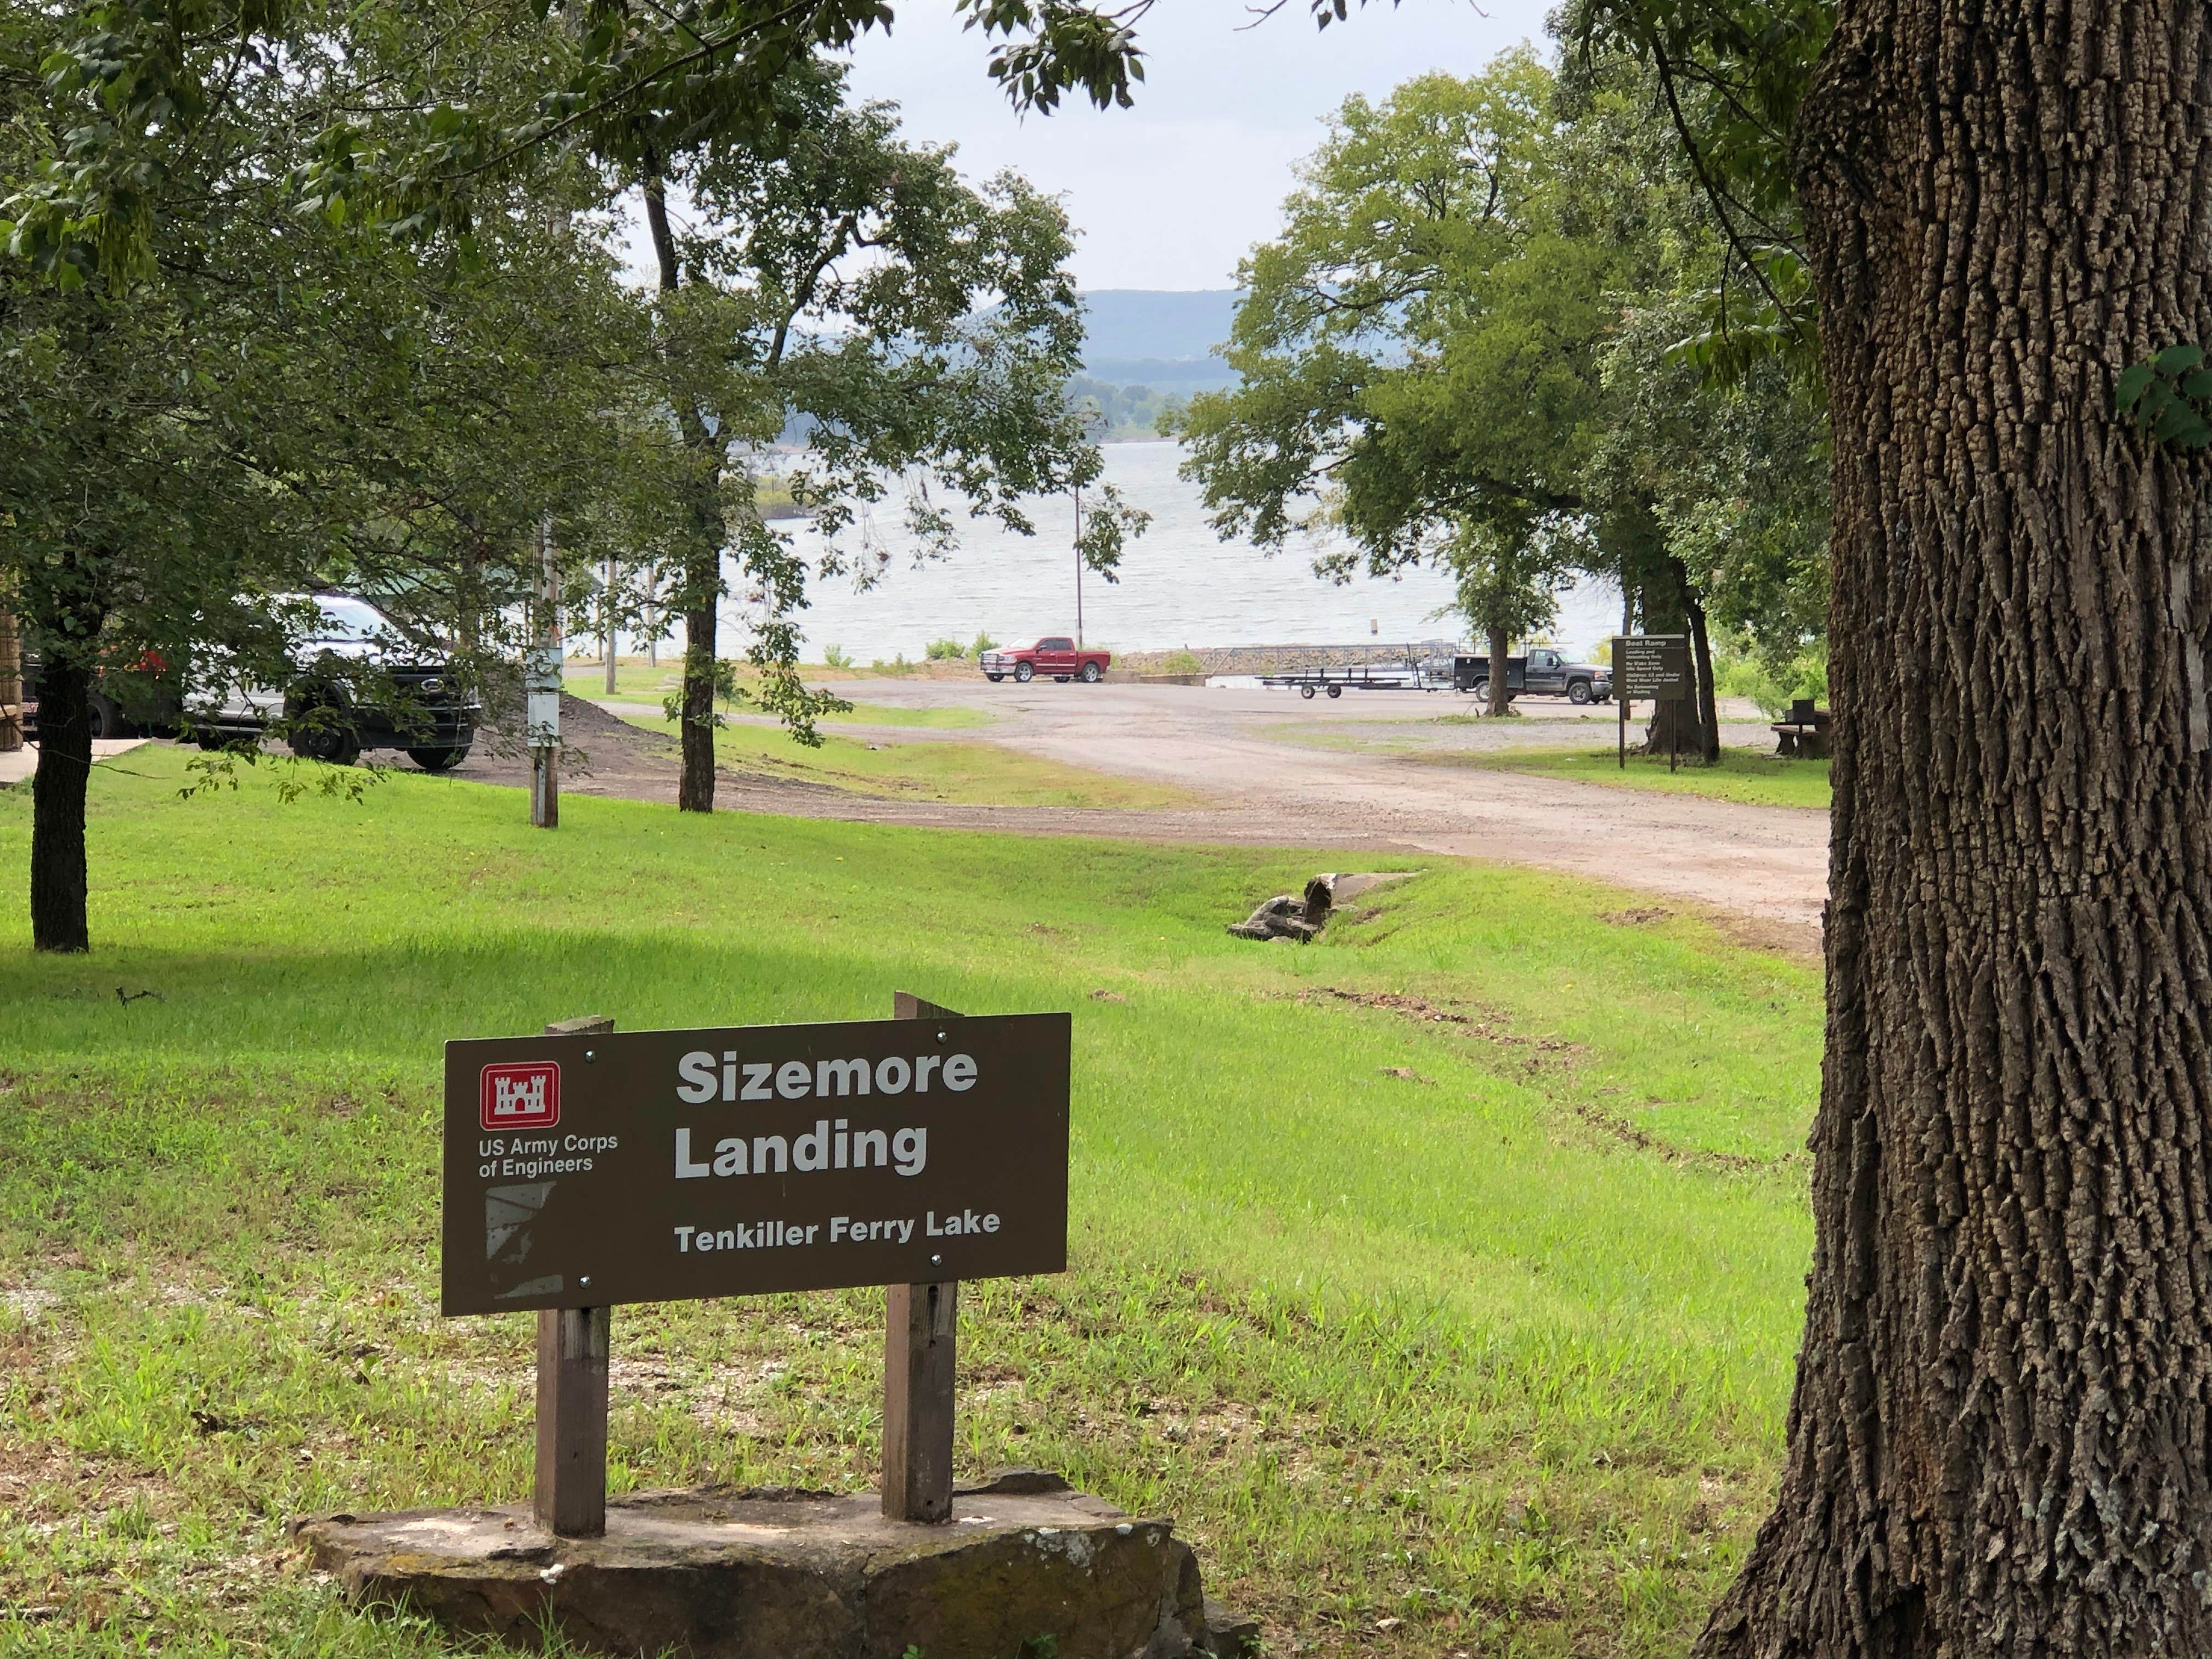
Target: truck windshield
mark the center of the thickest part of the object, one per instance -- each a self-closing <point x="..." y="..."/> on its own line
<point x="347" y="618"/>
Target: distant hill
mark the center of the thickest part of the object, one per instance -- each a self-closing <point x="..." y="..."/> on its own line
<point x="1158" y="338"/>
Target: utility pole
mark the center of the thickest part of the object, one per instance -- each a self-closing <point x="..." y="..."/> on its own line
<point x="542" y="685"/>
<point x="1079" y="566"/>
<point x="1620" y="669"/>
<point x="607" y="624"/>
<point x="11" y="684"/>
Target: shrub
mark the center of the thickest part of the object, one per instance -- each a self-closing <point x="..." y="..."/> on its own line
<point x="1772" y="682"/>
<point x="834" y="657"/>
<point x="984" y="642"/>
<point x="945" y="651"/>
<point x="1182" y="662"/>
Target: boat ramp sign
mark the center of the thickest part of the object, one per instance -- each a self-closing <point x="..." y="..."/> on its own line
<point x="1654" y="667"/>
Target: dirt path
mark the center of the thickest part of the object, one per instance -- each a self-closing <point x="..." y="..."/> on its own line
<point x="1766" y="866"/>
<point x="1258" y="748"/>
<point x="613" y="758"/>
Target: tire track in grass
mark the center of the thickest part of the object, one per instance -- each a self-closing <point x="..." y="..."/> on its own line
<point x="1549" y="1064"/>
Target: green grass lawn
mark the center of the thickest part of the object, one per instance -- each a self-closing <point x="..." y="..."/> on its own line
<point x="889" y="713"/>
<point x="1442" y="1277"/>
<point x="636" y="683"/>
<point x="973" y="773"/>
<point x="1749" y="775"/>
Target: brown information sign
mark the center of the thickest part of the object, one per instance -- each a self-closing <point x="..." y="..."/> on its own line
<point x="653" y="1166"/>
<point x="1653" y="667"/>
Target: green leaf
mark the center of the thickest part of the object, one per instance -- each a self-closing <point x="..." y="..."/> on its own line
<point x="2179" y="359"/>
<point x="2131" y="385"/>
<point x="2197" y="386"/>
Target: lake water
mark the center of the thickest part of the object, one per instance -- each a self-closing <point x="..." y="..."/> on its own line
<point x="1180" y="584"/>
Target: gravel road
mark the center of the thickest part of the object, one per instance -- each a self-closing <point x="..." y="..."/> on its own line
<point x="1347" y="772"/>
<point x="1283" y="771"/>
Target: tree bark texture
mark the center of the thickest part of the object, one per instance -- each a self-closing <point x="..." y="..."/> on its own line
<point x="1501" y="665"/>
<point x="702" y="568"/>
<point x="694" y="790"/>
<point x="57" y="792"/>
<point x="11" y="684"/>
<point x="1701" y="660"/>
<point x="2001" y="1438"/>
<point x="1679" y="726"/>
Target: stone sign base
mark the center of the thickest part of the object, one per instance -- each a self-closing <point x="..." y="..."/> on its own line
<point x="713" y="1573"/>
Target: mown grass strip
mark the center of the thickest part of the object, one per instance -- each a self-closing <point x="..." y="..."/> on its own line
<point x="1747" y="775"/>
<point x="977" y="773"/>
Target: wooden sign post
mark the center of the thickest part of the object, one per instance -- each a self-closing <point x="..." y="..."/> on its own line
<point x="569" y="1492"/>
<point x="921" y="1324"/>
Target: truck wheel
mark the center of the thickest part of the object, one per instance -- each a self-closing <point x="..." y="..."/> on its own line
<point x="1089" y="675"/>
<point x="1023" y="673"/>
<point x="1479" y="691"/>
<point x="1336" y="690"/>
<point x="439" y="760"/>
<point x="1305" y="690"/>
<point x="334" y="745"/>
<point x="1579" y="691"/>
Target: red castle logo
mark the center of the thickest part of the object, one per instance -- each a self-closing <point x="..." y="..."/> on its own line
<point x="521" y="1096"/>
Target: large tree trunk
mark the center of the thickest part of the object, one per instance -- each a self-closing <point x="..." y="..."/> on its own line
<point x="702" y="565"/>
<point x="58" y="790"/>
<point x="695" y="791"/>
<point x="11" y="684"/>
<point x="1501" y="656"/>
<point x="2000" y="1440"/>
<point x="607" y="666"/>
<point x="1678" y="726"/>
<point x="1701" y="660"/>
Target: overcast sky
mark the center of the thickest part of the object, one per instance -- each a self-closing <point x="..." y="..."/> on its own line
<point x="1171" y="193"/>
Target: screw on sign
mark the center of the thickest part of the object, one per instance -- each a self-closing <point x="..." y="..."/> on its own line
<point x="584" y="1168"/>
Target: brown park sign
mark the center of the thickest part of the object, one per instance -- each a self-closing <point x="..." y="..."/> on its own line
<point x="653" y="1166"/>
<point x="1651" y="667"/>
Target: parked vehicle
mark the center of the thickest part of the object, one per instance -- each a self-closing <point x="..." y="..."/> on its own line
<point x="1543" y="672"/>
<point x="109" y="719"/>
<point x="361" y="682"/>
<point x="1055" y="654"/>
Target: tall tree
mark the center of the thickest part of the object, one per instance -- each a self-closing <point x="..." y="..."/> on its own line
<point x="218" y="397"/>
<point x="1998" y="1439"/>
<point x="1728" y="78"/>
<point x="922" y="329"/>
<point x="1718" y="492"/>
<point x="1506" y="569"/>
<point x="1707" y="475"/>
<point x="137" y="477"/>
<point x="1418" y="349"/>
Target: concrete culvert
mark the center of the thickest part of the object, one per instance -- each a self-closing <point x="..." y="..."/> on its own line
<point x="1302" y="916"/>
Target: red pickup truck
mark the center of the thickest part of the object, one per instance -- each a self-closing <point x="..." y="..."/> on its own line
<point x="1055" y="654"/>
